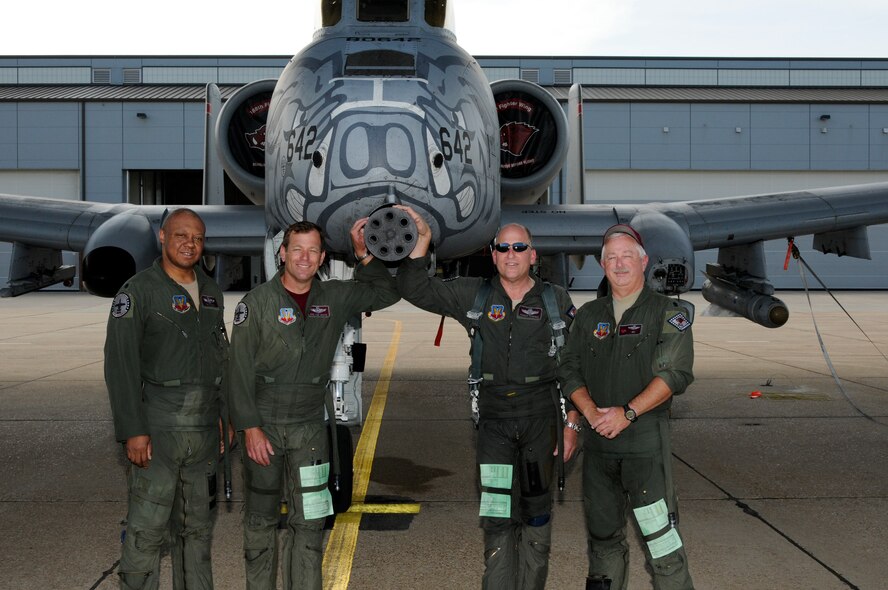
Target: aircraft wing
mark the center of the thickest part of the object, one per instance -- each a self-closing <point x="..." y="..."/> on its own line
<point x="116" y="240"/>
<point x="837" y="217"/>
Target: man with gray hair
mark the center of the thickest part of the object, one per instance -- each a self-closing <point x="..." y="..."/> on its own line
<point x="629" y="352"/>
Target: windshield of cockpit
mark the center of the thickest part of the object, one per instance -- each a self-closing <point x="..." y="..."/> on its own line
<point x="438" y="13"/>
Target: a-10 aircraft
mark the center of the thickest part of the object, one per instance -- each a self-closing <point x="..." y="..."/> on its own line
<point x="383" y="107"/>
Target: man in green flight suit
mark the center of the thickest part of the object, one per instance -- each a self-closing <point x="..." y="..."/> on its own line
<point x="165" y="356"/>
<point x="282" y="345"/>
<point x="518" y="399"/>
<point x="628" y="354"/>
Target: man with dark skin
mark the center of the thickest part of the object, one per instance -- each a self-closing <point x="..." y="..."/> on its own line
<point x="165" y="356"/>
<point x="518" y="424"/>
<point x="628" y="354"/>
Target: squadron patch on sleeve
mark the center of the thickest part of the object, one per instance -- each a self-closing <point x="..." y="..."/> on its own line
<point x="572" y="312"/>
<point x="680" y="321"/>
<point x="121" y="305"/>
<point x="241" y="312"/>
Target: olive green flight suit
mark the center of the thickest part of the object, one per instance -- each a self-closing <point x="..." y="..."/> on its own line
<point x="519" y="415"/>
<point x="280" y="366"/>
<point x="616" y="361"/>
<point x="164" y="365"/>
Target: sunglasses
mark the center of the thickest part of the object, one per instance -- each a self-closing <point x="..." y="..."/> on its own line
<point x="516" y="247"/>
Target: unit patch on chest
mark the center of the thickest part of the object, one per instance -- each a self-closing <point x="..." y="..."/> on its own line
<point x="602" y="331"/>
<point x="497" y="312"/>
<point x="286" y="316"/>
<point x="530" y="313"/>
<point x="319" y="311"/>
<point x="180" y="303"/>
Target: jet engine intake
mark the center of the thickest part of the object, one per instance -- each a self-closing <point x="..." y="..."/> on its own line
<point x="762" y="309"/>
<point x="533" y="139"/>
<point x="240" y="137"/>
<point x="118" y="249"/>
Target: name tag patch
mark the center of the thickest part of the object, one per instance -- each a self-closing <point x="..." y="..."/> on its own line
<point x="530" y="313"/>
<point x="319" y="311"/>
<point x="208" y="301"/>
<point x="630" y="330"/>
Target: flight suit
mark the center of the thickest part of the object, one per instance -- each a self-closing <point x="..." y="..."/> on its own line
<point x="164" y="365"/>
<point x="280" y="366"/>
<point x="616" y="361"/>
<point x="519" y="416"/>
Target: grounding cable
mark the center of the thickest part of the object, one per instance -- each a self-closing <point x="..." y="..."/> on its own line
<point x="794" y="251"/>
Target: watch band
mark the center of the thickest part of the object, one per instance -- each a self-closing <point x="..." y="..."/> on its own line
<point x="629" y="413"/>
<point x="362" y="258"/>
<point x="573" y="426"/>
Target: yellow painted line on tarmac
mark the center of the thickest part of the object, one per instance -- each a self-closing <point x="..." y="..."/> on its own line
<point x="344" y="536"/>
<point x="385" y="508"/>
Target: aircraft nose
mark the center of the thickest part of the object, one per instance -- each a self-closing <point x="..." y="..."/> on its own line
<point x="390" y="234"/>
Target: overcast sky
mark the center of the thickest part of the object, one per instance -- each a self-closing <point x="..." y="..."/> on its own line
<point x="704" y="28"/>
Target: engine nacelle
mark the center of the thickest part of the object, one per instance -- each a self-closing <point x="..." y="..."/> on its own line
<point x="533" y="139"/>
<point x="240" y="137"/>
<point x="762" y="309"/>
<point x="670" y="253"/>
<point x="118" y="249"/>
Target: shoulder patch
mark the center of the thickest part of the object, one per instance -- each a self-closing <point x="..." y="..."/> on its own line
<point x="572" y="312"/>
<point x="680" y="321"/>
<point x="241" y="313"/>
<point x="121" y="305"/>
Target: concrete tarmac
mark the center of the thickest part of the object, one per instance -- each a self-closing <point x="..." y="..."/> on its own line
<point x="786" y="491"/>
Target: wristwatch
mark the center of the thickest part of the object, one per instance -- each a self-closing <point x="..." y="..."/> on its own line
<point x="361" y="258"/>
<point x="630" y="413"/>
<point x="573" y="426"/>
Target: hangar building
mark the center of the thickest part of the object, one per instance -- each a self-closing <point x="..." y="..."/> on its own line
<point x="130" y="129"/>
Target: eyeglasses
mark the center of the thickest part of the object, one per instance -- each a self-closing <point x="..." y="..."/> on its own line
<point x="516" y="247"/>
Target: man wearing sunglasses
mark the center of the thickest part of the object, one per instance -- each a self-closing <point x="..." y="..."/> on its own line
<point x="518" y="401"/>
<point x="628" y="353"/>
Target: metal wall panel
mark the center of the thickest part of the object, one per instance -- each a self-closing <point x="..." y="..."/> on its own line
<point x="842" y="141"/>
<point x="780" y="137"/>
<point x="103" y="170"/>
<point x="193" y="138"/>
<point x="720" y="136"/>
<point x="878" y="148"/>
<point x="661" y="136"/>
<point x="49" y="135"/>
<point x="606" y="142"/>
<point x="155" y="142"/>
<point x="8" y="135"/>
